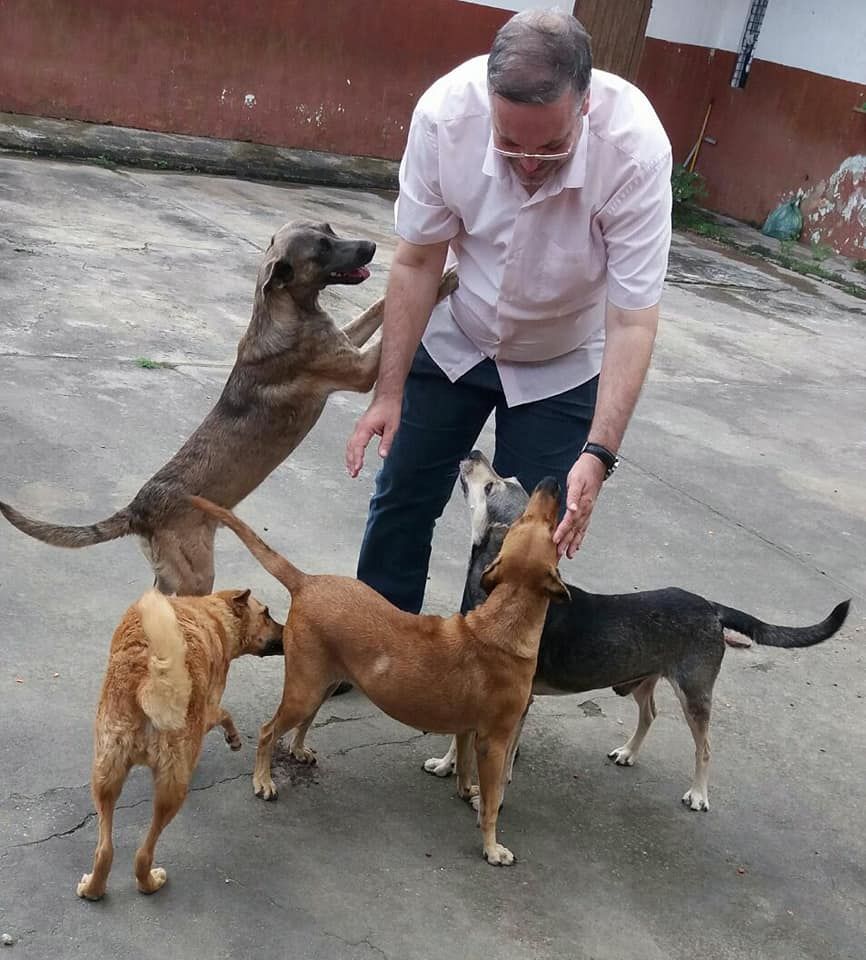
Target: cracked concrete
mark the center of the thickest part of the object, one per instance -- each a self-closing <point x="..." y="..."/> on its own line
<point x="741" y="479"/>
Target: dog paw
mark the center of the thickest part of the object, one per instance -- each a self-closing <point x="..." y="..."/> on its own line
<point x="622" y="756"/>
<point x="155" y="880"/>
<point x="695" y="800"/>
<point x="304" y="755"/>
<point x="86" y="890"/>
<point x="234" y="741"/>
<point x="449" y="282"/>
<point x="439" y="766"/>
<point x="264" y="788"/>
<point x="499" y="856"/>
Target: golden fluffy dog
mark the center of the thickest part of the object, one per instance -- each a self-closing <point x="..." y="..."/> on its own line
<point x="166" y="674"/>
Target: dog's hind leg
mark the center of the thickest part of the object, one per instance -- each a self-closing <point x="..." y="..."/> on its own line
<point x="626" y="755"/>
<point x="183" y="558"/>
<point x="169" y="793"/>
<point x="696" y="707"/>
<point x="109" y="774"/>
<point x="224" y="719"/>
<point x="303" y="693"/>
<point x="301" y="753"/>
<point x="443" y="766"/>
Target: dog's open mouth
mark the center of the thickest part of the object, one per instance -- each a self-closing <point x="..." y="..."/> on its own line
<point x="358" y="275"/>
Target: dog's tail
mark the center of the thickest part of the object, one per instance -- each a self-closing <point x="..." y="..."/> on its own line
<point x="287" y="573"/>
<point x="164" y="697"/>
<point x="117" y="525"/>
<point x="772" y="635"/>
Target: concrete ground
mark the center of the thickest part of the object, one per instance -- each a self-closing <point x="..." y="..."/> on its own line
<point x="742" y="479"/>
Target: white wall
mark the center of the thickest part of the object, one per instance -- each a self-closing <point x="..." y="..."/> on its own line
<point x="518" y="5"/>
<point x="704" y="23"/>
<point x="824" y="36"/>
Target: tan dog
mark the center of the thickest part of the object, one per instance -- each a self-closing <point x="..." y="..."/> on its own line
<point x="289" y="361"/>
<point x="340" y="629"/>
<point x="161" y="694"/>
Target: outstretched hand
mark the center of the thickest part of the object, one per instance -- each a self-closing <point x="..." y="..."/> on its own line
<point x="584" y="483"/>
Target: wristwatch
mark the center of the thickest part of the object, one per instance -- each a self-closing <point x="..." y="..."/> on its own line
<point x="607" y="457"/>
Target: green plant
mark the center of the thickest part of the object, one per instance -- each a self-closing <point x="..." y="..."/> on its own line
<point x="820" y="251"/>
<point x="860" y="265"/>
<point x="687" y="186"/>
<point x="147" y="364"/>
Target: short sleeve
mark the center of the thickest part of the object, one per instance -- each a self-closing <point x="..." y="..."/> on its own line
<point x="421" y="215"/>
<point x="636" y="225"/>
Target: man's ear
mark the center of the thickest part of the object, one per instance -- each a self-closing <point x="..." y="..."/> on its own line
<point x="491" y="576"/>
<point x="556" y="588"/>
<point x="240" y="602"/>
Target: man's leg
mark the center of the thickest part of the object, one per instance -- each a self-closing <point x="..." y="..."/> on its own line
<point x="543" y="438"/>
<point x="439" y="424"/>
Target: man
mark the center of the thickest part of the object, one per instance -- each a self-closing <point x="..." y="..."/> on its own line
<point x="548" y="184"/>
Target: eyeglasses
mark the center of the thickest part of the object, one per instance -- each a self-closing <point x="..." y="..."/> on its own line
<point x="563" y="155"/>
<point x="512" y="155"/>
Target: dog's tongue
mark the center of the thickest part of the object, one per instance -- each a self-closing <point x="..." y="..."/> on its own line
<point x="359" y="273"/>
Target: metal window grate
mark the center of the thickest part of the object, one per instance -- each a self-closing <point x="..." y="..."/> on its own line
<point x="747" y="44"/>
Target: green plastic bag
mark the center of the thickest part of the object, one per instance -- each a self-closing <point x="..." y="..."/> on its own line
<point x="785" y="222"/>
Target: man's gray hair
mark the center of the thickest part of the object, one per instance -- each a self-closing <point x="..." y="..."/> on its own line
<point x="539" y="54"/>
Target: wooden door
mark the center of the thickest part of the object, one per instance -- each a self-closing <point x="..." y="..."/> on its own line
<point x="617" y="28"/>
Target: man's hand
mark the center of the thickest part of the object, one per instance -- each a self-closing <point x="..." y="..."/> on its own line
<point x="584" y="483"/>
<point x="381" y="419"/>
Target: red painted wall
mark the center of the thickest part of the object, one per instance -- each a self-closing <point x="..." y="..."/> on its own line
<point x="786" y="129"/>
<point x="328" y="75"/>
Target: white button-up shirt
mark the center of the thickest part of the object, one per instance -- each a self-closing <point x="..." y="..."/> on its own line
<point x="536" y="271"/>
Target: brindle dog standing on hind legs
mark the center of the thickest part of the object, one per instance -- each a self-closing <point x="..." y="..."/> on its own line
<point x="289" y="361"/>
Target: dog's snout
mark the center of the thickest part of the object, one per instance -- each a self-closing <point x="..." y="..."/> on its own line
<point x="550" y="486"/>
<point x="367" y="250"/>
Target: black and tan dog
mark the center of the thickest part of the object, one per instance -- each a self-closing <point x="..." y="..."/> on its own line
<point x="291" y="358"/>
<point x="340" y="629"/>
<point x="165" y="678"/>
<point x="625" y="641"/>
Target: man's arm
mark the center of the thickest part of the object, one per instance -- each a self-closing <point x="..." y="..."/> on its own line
<point x="629" y="338"/>
<point x="413" y="284"/>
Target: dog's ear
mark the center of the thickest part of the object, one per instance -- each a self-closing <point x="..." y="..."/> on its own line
<point x="240" y="602"/>
<point x="556" y="588"/>
<point x="275" y="273"/>
<point x="491" y="576"/>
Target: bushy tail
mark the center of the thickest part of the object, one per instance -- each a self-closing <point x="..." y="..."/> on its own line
<point x="772" y="635"/>
<point x="166" y="692"/>
<point x="287" y="573"/>
<point x="115" y="526"/>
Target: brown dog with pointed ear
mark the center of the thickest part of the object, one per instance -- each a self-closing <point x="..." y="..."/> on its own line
<point x="341" y="629"/>
<point x="290" y="360"/>
<point x="166" y="674"/>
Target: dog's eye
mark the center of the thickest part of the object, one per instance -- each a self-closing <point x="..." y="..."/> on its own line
<point x="488" y="487"/>
<point x="324" y="246"/>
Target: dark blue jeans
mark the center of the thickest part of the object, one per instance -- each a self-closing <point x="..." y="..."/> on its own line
<point x="439" y="425"/>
